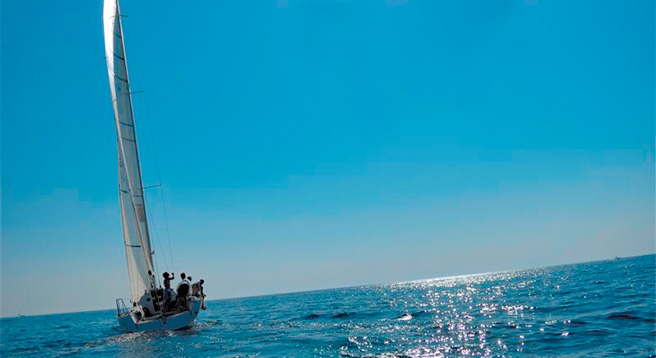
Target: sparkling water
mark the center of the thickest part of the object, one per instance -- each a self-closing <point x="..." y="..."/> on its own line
<point x="598" y="309"/>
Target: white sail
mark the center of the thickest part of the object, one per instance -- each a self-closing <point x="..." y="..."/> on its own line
<point x="133" y="211"/>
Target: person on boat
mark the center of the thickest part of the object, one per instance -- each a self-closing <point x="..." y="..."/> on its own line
<point x="183" y="290"/>
<point x="202" y="294"/>
<point x="183" y="282"/>
<point x="191" y="286"/>
<point x="197" y="288"/>
<point x="168" y="293"/>
<point x="152" y="279"/>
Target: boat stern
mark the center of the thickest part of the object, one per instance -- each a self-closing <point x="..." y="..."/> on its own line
<point x="131" y="319"/>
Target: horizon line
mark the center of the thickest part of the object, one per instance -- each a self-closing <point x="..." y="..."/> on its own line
<point x="3" y="317"/>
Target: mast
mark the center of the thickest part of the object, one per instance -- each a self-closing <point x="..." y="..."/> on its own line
<point x="136" y="237"/>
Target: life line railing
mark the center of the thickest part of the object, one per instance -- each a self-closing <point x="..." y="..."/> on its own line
<point x="121" y="309"/>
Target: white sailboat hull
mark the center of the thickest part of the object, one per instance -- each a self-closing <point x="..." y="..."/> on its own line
<point x="131" y="323"/>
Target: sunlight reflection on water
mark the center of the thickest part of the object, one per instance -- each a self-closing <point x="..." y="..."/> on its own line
<point x="590" y="309"/>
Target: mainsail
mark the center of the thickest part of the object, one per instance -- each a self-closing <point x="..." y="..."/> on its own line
<point x="133" y="211"/>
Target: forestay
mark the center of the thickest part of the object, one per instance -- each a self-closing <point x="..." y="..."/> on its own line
<point x="133" y="212"/>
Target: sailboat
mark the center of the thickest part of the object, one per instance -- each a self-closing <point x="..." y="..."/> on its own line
<point x="148" y="310"/>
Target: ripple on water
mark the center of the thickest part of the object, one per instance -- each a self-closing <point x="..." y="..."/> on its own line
<point x="589" y="309"/>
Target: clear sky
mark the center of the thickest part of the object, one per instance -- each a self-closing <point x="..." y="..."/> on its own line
<point x="314" y="144"/>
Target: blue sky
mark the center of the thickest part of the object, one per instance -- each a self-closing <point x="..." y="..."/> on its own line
<point x="314" y="144"/>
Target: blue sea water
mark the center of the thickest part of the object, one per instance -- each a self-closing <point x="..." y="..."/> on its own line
<point x="598" y="309"/>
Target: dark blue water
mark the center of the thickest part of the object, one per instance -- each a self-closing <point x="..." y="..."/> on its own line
<point x="600" y="309"/>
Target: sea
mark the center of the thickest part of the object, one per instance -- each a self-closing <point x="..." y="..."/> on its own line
<point x="595" y="309"/>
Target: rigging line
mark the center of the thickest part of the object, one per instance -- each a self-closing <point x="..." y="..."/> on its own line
<point x="149" y="214"/>
<point x="159" y="179"/>
<point x="128" y="95"/>
<point x="157" y="238"/>
<point x="159" y="284"/>
<point x="156" y="273"/>
<point x="151" y="218"/>
<point x="153" y="154"/>
<point x="121" y="149"/>
<point x="168" y="233"/>
<point x="128" y="99"/>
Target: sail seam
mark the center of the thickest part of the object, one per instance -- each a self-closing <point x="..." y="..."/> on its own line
<point x="117" y="56"/>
